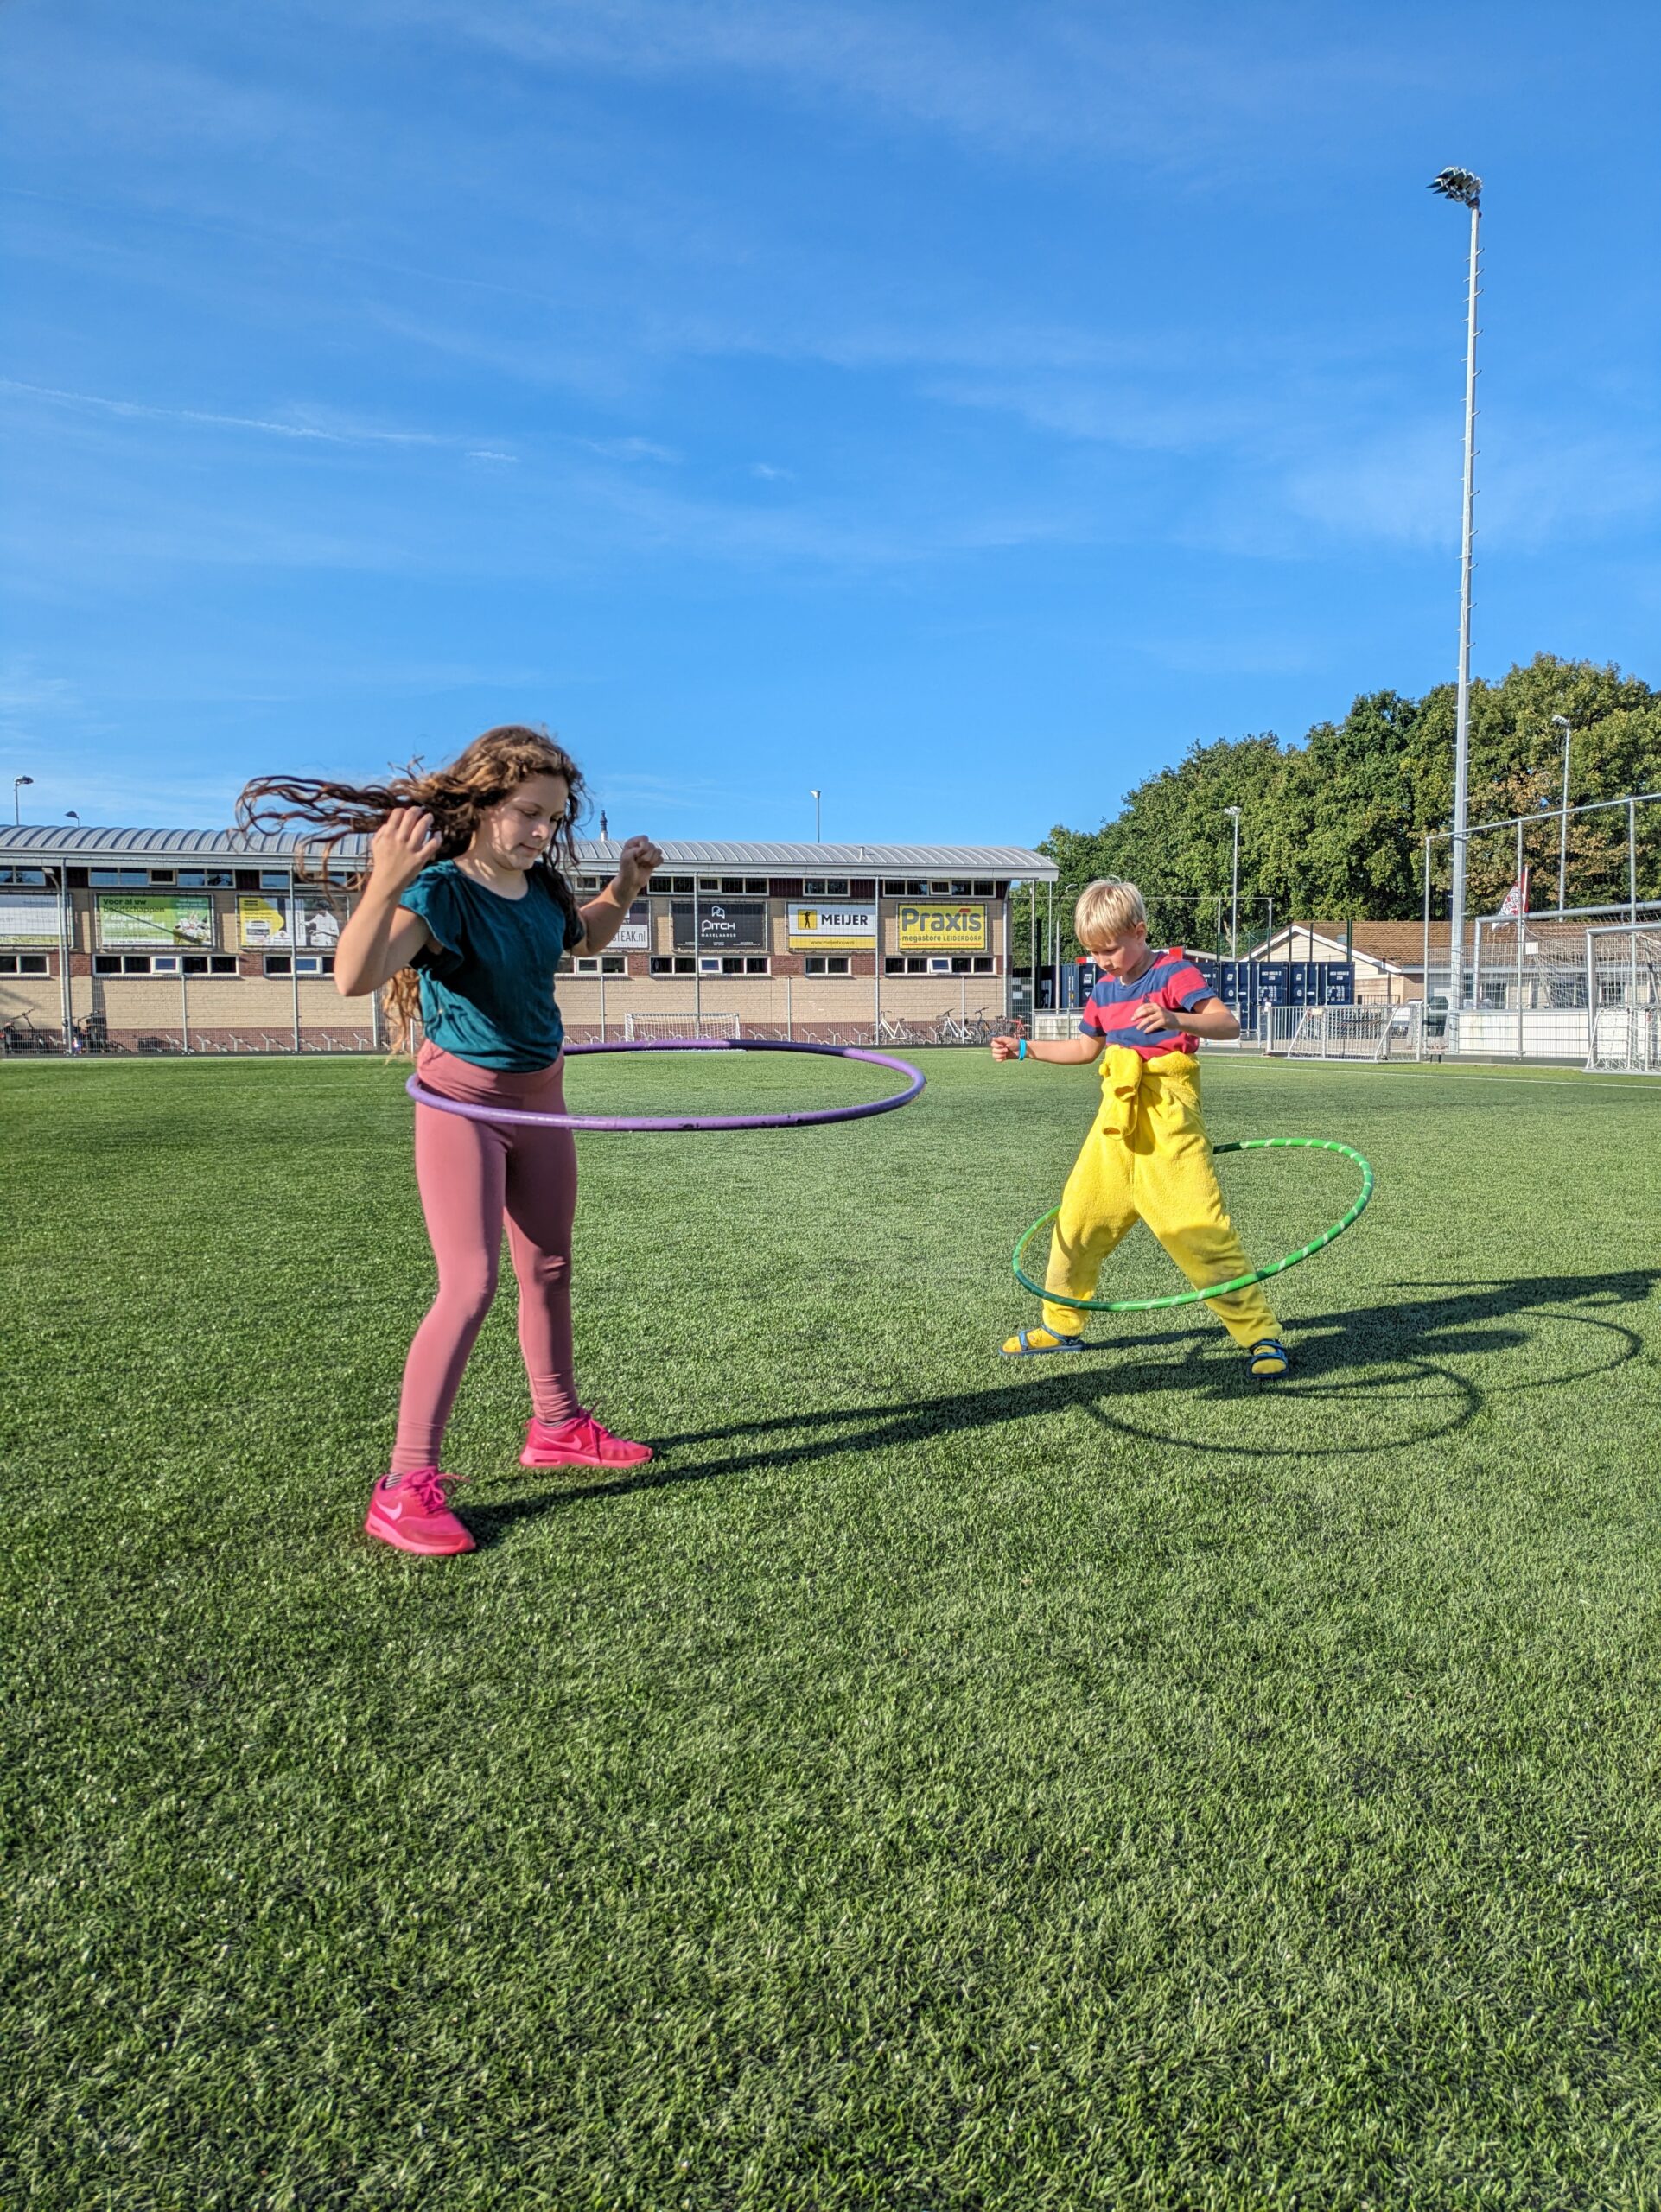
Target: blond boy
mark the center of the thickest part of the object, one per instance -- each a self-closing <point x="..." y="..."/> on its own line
<point x="1148" y="1156"/>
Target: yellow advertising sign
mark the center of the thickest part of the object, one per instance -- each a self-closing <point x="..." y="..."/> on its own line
<point x="813" y="927"/>
<point x="262" y="923"/>
<point x="937" y="926"/>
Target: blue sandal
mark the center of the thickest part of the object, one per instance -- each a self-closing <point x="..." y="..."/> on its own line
<point x="1268" y="1356"/>
<point x="1021" y="1345"/>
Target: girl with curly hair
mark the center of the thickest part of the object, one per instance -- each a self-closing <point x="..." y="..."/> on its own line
<point x="466" y="914"/>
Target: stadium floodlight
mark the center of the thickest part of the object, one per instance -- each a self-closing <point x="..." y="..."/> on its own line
<point x="17" y="816"/>
<point x="818" y="839"/>
<point x="1461" y="186"/>
<point x="1234" y="889"/>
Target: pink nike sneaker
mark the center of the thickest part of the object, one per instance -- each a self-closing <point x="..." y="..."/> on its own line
<point x="580" y="1442"/>
<point x="413" y="1512"/>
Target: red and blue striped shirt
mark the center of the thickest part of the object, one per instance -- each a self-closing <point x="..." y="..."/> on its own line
<point x="1172" y="980"/>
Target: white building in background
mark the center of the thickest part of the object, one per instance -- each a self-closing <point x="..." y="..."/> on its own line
<point x="170" y="939"/>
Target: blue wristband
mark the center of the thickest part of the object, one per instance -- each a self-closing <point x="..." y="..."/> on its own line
<point x="1021" y="1054"/>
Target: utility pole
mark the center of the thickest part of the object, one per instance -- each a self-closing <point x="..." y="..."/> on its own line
<point x="1233" y="812"/>
<point x="1461" y="186"/>
<point x="1562" y="722"/>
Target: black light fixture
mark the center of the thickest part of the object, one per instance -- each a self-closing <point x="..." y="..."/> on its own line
<point x="1458" y="184"/>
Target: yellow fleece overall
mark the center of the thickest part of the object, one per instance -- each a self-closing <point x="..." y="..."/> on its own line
<point x="1148" y="1158"/>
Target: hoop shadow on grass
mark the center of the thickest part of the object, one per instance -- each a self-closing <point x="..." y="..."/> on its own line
<point x="1357" y="1363"/>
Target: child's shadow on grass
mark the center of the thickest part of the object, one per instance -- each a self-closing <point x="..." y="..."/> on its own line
<point x="1361" y="1359"/>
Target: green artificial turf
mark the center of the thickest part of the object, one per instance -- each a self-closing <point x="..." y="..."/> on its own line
<point x="935" y="1783"/>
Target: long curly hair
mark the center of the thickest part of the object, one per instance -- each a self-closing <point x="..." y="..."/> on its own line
<point x="457" y="798"/>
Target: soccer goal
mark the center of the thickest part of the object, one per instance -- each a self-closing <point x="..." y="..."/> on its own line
<point x="661" y="1028"/>
<point x="1356" y="1033"/>
<point x="1623" y="997"/>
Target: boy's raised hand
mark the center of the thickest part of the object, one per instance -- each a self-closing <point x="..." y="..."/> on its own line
<point x="402" y="847"/>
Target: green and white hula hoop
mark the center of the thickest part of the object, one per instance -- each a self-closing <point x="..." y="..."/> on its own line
<point x="1240" y="1282"/>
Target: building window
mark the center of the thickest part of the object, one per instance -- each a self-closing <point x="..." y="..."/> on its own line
<point x="165" y="964"/>
<point x="23" y="963"/>
<point x="912" y="887"/>
<point x="608" y="963"/>
<point x="274" y="879"/>
<point x="300" y="963"/>
<point x="827" y="964"/>
<point x="207" y="879"/>
<point x="983" y="964"/>
<point x="36" y="875"/>
<point x="119" y="879"/>
<point x="915" y="964"/>
<point x="824" y="887"/>
<point x="681" y="964"/>
<point x="674" y="883"/>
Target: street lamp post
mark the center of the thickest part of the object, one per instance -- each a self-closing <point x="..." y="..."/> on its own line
<point x="1460" y="185"/>
<point x="1233" y="812"/>
<point x="1561" y="722"/>
<point x="817" y="838"/>
<point x="16" y="815"/>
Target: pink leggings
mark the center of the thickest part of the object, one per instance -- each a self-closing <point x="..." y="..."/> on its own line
<point x="470" y="1174"/>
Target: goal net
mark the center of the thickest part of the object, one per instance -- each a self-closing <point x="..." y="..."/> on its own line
<point x="660" y="1028"/>
<point x="1623" y="995"/>
<point x="1356" y="1033"/>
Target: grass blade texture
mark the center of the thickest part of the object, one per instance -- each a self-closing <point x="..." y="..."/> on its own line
<point x="934" y="1782"/>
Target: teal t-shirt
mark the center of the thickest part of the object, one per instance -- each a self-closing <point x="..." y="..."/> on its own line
<point x="487" y="978"/>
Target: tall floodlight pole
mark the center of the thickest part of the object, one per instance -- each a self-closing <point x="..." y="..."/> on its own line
<point x="17" y="782"/>
<point x="1233" y="812"/>
<point x="818" y="839"/>
<point x="1461" y="185"/>
<point x="1561" y="722"/>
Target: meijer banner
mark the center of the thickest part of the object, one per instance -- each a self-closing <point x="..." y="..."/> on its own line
<point x="816" y="926"/>
<point x="941" y="928"/>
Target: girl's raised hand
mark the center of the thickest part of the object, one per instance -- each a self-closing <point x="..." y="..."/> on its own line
<point x="639" y="858"/>
<point x="402" y="847"/>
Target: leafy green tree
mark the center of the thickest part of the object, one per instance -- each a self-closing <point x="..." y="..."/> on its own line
<point x="1333" y="828"/>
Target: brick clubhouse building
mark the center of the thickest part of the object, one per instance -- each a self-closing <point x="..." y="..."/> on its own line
<point x="169" y="940"/>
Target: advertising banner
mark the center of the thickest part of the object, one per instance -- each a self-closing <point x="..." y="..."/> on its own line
<point x="635" y="935"/>
<point x="723" y="925"/>
<point x="26" y="919"/>
<point x="937" y="926"/>
<point x="153" y="921"/>
<point x="814" y="927"/>
<point x="262" y="923"/>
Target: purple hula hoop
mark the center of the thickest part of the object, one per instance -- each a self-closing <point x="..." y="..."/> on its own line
<point x="622" y="1122"/>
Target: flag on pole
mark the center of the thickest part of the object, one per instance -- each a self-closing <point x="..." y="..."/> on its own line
<point x="1516" y="902"/>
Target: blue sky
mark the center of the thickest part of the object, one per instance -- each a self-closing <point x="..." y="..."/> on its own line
<point x="960" y="408"/>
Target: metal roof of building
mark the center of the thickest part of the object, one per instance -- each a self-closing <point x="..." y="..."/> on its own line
<point x="68" y="841"/>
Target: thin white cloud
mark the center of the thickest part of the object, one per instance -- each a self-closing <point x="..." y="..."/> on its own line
<point x="628" y="448"/>
<point x="1052" y="78"/>
<point x="770" y="474"/>
<point x="305" y="432"/>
